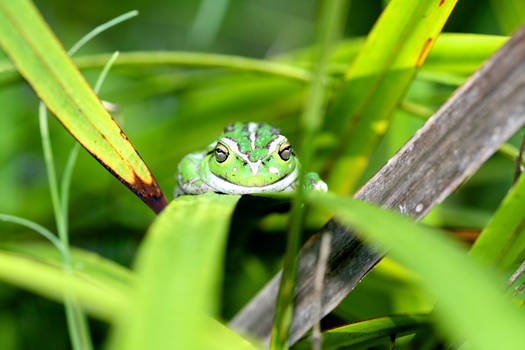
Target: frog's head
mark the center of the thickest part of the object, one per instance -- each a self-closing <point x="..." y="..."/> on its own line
<point x="250" y="158"/>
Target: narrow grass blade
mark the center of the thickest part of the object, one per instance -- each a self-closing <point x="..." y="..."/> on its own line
<point x="364" y="334"/>
<point x="467" y="291"/>
<point x="377" y="80"/>
<point x="40" y="58"/>
<point x="327" y="30"/>
<point x="44" y="232"/>
<point x="90" y="266"/>
<point x="101" y="301"/>
<point x="502" y="241"/>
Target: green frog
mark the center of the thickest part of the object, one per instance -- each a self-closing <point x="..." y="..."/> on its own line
<point x="246" y="158"/>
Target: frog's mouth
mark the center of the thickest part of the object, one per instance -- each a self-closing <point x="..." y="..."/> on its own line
<point x="221" y="185"/>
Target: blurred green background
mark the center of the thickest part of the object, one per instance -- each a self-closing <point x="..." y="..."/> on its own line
<point x="168" y="112"/>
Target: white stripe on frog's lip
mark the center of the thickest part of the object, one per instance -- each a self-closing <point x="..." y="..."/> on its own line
<point x="221" y="185"/>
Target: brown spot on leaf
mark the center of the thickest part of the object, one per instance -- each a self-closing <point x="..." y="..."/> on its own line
<point x="441" y="3"/>
<point x="424" y="52"/>
<point x="150" y="193"/>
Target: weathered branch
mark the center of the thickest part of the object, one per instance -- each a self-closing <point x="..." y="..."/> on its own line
<point x="480" y="116"/>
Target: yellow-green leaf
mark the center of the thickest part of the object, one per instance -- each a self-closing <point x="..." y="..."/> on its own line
<point x="42" y="61"/>
<point x="472" y="306"/>
<point x="179" y="268"/>
<point x="377" y="80"/>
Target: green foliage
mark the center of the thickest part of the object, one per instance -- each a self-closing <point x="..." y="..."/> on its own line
<point x="174" y="100"/>
<point x="179" y="273"/>
<point x="369" y="333"/>
<point x="502" y="241"/>
<point x="376" y="81"/>
<point x="444" y="262"/>
<point x="46" y="66"/>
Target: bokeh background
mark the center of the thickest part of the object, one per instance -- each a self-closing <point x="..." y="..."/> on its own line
<point x="168" y="112"/>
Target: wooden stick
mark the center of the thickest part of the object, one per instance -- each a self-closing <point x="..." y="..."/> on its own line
<point x="481" y="115"/>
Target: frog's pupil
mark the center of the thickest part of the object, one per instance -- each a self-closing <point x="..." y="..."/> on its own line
<point x="285" y="153"/>
<point x="220" y="155"/>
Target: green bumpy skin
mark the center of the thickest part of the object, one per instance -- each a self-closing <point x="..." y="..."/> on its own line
<point x="246" y="158"/>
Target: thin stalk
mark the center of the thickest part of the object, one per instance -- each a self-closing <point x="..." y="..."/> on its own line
<point x="66" y="182"/>
<point x="184" y="59"/>
<point x="50" y="236"/>
<point x="73" y="154"/>
<point x="76" y="319"/>
<point x="322" y="260"/>
<point x="77" y="328"/>
<point x="101" y="28"/>
<point x="52" y="180"/>
<point x="328" y="27"/>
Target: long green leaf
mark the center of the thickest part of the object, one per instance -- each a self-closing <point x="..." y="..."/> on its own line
<point x="472" y="305"/>
<point x="90" y="266"/>
<point x="40" y="58"/>
<point x="100" y="300"/>
<point x="377" y="80"/>
<point x="453" y="53"/>
<point x="503" y="239"/>
<point x="367" y="333"/>
<point x="179" y="269"/>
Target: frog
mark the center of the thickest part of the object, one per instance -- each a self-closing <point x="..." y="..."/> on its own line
<point x="246" y="158"/>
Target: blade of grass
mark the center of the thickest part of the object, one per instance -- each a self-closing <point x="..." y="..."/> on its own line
<point x="460" y="137"/>
<point x="329" y="27"/>
<point x="86" y="265"/>
<point x="50" y="236"/>
<point x="73" y="154"/>
<point x="465" y="304"/>
<point x="39" y="57"/>
<point x="364" y="334"/>
<point x="179" y="267"/>
<point x="103" y="302"/>
<point x="76" y="320"/>
<point x="453" y="54"/>
<point x="502" y="241"/>
<point x="99" y="29"/>
<point x="376" y="81"/>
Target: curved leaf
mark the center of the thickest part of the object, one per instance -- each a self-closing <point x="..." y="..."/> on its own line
<point x="86" y="264"/>
<point x="42" y="61"/>
<point x="364" y="334"/>
<point x="376" y="81"/>
<point x="179" y="268"/>
<point x="503" y="239"/>
<point x="104" y="301"/>
<point x="471" y="305"/>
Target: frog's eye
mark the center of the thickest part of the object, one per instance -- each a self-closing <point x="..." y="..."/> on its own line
<point x="221" y="153"/>
<point x="285" y="151"/>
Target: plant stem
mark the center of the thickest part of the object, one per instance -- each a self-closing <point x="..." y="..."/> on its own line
<point x="101" y="28"/>
<point x="50" y="236"/>
<point x="310" y="121"/>
<point x="76" y="319"/>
